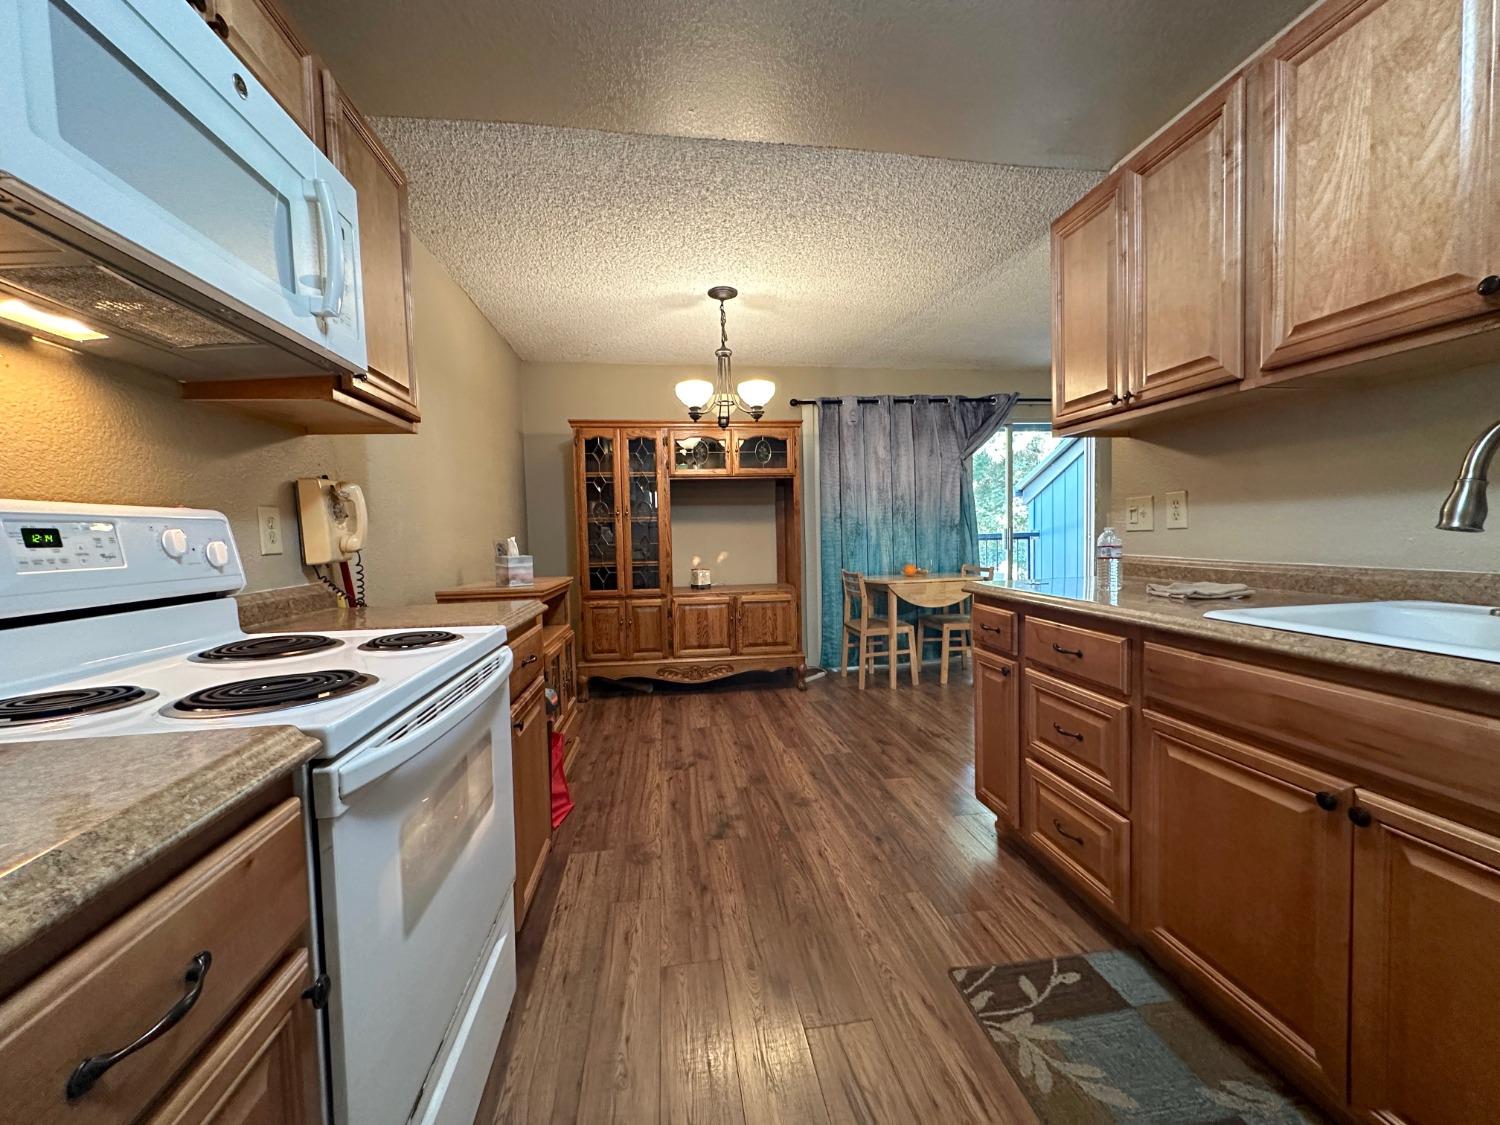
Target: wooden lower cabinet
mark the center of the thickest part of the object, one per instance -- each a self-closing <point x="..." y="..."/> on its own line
<point x="531" y="779"/>
<point x="1426" y="981"/>
<point x="1086" y="842"/>
<point x="604" y="629"/>
<point x="646" y="621"/>
<point x="1243" y="885"/>
<point x="997" y="734"/>
<point x="765" y="623"/>
<point x="703" y="626"/>
<point x="263" y="1069"/>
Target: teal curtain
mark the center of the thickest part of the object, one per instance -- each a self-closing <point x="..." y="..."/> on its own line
<point x="895" y="487"/>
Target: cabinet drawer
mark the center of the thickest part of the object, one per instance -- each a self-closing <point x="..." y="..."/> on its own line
<point x="1100" y="658"/>
<point x="527" y="649"/>
<point x="994" y="629"/>
<point x="1362" y="730"/>
<point x="1081" y="735"/>
<point x="245" y="904"/>
<point x="1088" y="844"/>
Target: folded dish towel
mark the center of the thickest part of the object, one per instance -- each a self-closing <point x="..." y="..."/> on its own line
<point x="1199" y="590"/>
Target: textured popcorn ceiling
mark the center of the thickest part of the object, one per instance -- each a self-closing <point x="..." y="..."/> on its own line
<point x="590" y="246"/>
<point x="1057" y="83"/>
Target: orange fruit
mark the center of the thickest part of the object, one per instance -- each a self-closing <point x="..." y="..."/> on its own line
<point x="910" y="569"/>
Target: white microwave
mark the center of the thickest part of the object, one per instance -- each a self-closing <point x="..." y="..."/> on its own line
<point x="156" y="195"/>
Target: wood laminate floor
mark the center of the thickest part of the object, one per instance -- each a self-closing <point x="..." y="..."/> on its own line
<point x="750" y="915"/>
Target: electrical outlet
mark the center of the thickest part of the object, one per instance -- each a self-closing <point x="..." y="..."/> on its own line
<point x="1176" y="509"/>
<point x="269" y="520"/>
<point x="1140" y="513"/>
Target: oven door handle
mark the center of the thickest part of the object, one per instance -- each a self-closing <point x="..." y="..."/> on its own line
<point x="353" y="772"/>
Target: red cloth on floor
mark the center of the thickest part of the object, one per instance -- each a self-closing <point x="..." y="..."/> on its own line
<point x="562" y="803"/>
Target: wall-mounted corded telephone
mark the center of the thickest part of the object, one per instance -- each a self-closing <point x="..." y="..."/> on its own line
<point x="333" y="518"/>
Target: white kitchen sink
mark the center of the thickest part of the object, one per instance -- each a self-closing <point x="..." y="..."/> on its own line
<point x="1440" y="627"/>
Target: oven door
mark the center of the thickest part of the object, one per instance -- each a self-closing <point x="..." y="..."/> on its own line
<point x="416" y="858"/>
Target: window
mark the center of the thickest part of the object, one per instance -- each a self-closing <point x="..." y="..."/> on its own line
<point x="1034" y="494"/>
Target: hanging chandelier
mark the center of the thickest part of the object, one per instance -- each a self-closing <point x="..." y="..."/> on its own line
<point x="722" y="397"/>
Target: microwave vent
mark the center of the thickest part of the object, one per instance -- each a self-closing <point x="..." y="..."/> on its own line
<point x="95" y="293"/>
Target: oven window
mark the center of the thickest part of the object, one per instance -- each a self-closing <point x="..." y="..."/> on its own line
<point x="435" y="834"/>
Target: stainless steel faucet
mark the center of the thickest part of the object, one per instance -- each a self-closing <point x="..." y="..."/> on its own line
<point x="1466" y="507"/>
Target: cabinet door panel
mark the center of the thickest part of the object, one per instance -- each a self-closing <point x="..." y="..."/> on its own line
<point x="604" y="630"/>
<point x="531" y="778"/>
<point x="648" y="628"/>
<point x="997" y="735"/>
<point x="1426" y="968"/>
<point x="703" y="627"/>
<point x="259" y="34"/>
<point x="645" y="500"/>
<point x="1185" y="274"/>
<point x="1379" y="174"/>
<point x="763" y="452"/>
<point x="1088" y="289"/>
<point x="263" y="1070"/>
<point x="765" y="623"/>
<point x="601" y="534"/>
<point x="384" y="249"/>
<point x="1244" y="886"/>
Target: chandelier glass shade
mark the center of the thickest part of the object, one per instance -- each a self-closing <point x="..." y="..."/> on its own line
<point x="722" y="396"/>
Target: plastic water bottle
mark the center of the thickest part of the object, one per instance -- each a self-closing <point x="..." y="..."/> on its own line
<point x="1107" y="554"/>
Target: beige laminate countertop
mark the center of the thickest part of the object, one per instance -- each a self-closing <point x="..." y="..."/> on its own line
<point x="80" y="815"/>
<point x="1134" y="606"/>
<point x="511" y="614"/>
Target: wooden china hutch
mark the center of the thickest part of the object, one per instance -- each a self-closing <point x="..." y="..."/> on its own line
<point x="635" y="622"/>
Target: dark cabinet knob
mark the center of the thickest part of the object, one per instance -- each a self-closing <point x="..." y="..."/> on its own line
<point x="1361" y="817"/>
<point x="1128" y="396"/>
<point x="201" y="5"/>
<point x="220" y="26"/>
<point x="1114" y="400"/>
<point x="1327" y="801"/>
<point x="1004" y="671"/>
<point x="1489" y="286"/>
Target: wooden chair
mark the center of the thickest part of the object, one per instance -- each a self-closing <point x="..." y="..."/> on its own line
<point x="950" y="625"/>
<point x="868" y="628"/>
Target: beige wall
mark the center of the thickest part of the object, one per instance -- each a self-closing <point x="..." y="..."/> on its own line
<point x="1340" y="473"/>
<point x="79" y="429"/>
<point x="555" y="392"/>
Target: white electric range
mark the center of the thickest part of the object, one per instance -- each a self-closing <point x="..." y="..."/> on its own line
<point x="117" y="621"/>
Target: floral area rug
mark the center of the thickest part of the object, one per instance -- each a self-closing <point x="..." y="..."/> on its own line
<point x="1100" y="1038"/>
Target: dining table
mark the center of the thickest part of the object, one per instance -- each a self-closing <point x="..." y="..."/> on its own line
<point x="929" y="591"/>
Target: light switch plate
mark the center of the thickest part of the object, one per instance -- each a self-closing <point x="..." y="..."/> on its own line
<point x="1140" y="513"/>
<point x="269" y="520"/>
<point x="1177" y="515"/>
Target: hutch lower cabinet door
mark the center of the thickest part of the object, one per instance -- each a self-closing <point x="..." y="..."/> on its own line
<point x="1244" y="886"/>
<point x="1426" y="985"/>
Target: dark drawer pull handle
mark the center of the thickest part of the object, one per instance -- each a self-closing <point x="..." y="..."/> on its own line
<point x="1063" y="832"/>
<point x="990" y="628"/>
<point x="93" y="1068"/>
<point x="532" y="659"/>
<point x="1067" y="651"/>
<point x="1067" y="733"/>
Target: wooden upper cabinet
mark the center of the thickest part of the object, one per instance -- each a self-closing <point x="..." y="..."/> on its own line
<point x="258" y="32"/>
<point x="1088" y="306"/>
<point x="1243" y="881"/>
<point x="1185" y="265"/>
<point x="1426" y="982"/>
<point x="1379" y="185"/>
<point x="645" y="500"/>
<point x="385" y="251"/>
<point x="598" y="458"/>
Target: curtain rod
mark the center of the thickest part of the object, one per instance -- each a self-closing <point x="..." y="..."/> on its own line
<point x="931" y="398"/>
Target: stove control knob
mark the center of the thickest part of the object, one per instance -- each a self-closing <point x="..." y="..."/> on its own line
<point x="217" y="553"/>
<point x="174" y="542"/>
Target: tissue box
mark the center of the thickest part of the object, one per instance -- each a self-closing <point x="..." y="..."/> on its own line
<point x="514" y="570"/>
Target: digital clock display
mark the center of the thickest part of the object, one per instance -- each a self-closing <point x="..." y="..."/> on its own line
<point x="38" y="538"/>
